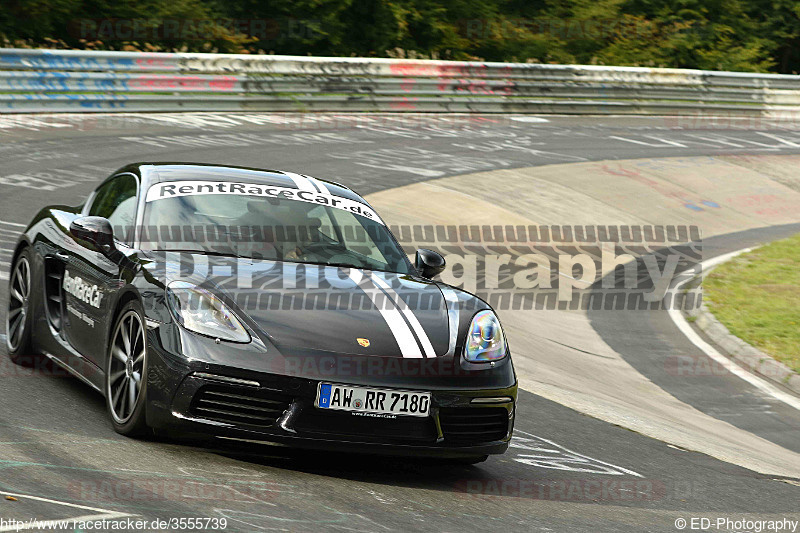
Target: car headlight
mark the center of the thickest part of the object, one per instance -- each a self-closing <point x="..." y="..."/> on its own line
<point x="200" y="311"/>
<point x="485" y="339"/>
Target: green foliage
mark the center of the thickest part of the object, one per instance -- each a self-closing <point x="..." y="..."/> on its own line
<point x="741" y="35"/>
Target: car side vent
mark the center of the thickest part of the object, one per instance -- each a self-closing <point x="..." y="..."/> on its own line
<point x="238" y="405"/>
<point x="473" y="425"/>
<point x="54" y="296"/>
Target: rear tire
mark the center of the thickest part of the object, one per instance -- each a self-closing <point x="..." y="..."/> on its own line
<point x="19" y="317"/>
<point x="126" y="372"/>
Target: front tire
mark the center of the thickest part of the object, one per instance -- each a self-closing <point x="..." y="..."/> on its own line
<point x="126" y="372"/>
<point x="19" y="317"/>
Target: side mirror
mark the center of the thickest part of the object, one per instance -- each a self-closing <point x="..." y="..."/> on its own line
<point x="429" y="263"/>
<point x="96" y="231"/>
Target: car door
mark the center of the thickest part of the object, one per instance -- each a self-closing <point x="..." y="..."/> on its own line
<point x="90" y="278"/>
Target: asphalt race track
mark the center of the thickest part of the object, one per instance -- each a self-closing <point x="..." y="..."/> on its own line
<point x="566" y="471"/>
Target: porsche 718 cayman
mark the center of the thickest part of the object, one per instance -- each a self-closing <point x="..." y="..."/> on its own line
<point x="261" y="306"/>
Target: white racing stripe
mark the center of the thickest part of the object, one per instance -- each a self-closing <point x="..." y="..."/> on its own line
<point x="302" y="182"/>
<point x="319" y="185"/>
<point x="393" y="317"/>
<point x="410" y="316"/>
<point x="308" y="183"/>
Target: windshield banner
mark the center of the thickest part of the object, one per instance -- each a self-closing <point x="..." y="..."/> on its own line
<point x="174" y="189"/>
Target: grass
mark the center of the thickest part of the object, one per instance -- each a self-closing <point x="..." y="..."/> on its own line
<point x="757" y="297"/>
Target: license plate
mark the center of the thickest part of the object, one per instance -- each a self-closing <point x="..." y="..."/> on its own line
<point x="368" y="400"/>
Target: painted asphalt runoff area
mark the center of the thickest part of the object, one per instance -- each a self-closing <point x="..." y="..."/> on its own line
<point x="566" y="471"/>
<point x="559" y="353"/>
<point x="711" y="390"/>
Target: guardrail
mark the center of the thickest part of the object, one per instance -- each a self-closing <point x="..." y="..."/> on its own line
<point x="38" y="81"/>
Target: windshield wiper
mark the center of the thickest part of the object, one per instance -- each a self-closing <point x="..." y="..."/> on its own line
<point x="203" y="252"/>
<point x="347" y="265"/>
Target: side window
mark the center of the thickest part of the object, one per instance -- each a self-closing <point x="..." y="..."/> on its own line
<point x="116" y="201"/>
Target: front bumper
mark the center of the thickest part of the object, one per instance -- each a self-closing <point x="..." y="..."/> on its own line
<point x="202" y="399"/>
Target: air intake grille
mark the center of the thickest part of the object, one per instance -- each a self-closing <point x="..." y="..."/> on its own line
<point x="472" y="425"/>
<point x="365" y="428"/>
<point x="54" y="270"/>
<point x="237" y="405"/>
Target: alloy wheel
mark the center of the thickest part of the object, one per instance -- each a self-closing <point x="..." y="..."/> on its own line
<point x="19" y="292"/>
<point x="126" y="366"/>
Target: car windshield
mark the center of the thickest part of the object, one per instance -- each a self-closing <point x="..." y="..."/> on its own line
<point x="315" y="229"/>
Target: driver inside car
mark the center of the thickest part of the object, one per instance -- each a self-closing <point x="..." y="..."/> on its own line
<point x="292" y="236"/>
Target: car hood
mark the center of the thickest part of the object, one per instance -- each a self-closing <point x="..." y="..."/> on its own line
<point x="302" y="308"/>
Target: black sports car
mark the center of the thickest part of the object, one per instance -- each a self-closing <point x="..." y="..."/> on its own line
<point x="260" y="306"/>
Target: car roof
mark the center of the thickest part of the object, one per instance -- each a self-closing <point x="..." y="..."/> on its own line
<point x="152" y="173"/>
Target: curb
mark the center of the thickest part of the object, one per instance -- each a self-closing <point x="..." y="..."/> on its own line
<point x="743" y="353"/>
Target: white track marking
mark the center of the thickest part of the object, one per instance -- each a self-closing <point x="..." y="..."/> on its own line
<point x="728" y="364"/>
<point x="529" y="119"/>
<point x="780" y="140"/>
<point x="7" y="230"/>
<point x="56" y="502"/>
<point x="557" y="457"/>
<point x="29" y="123"/>
<point x="47" y="524"/>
